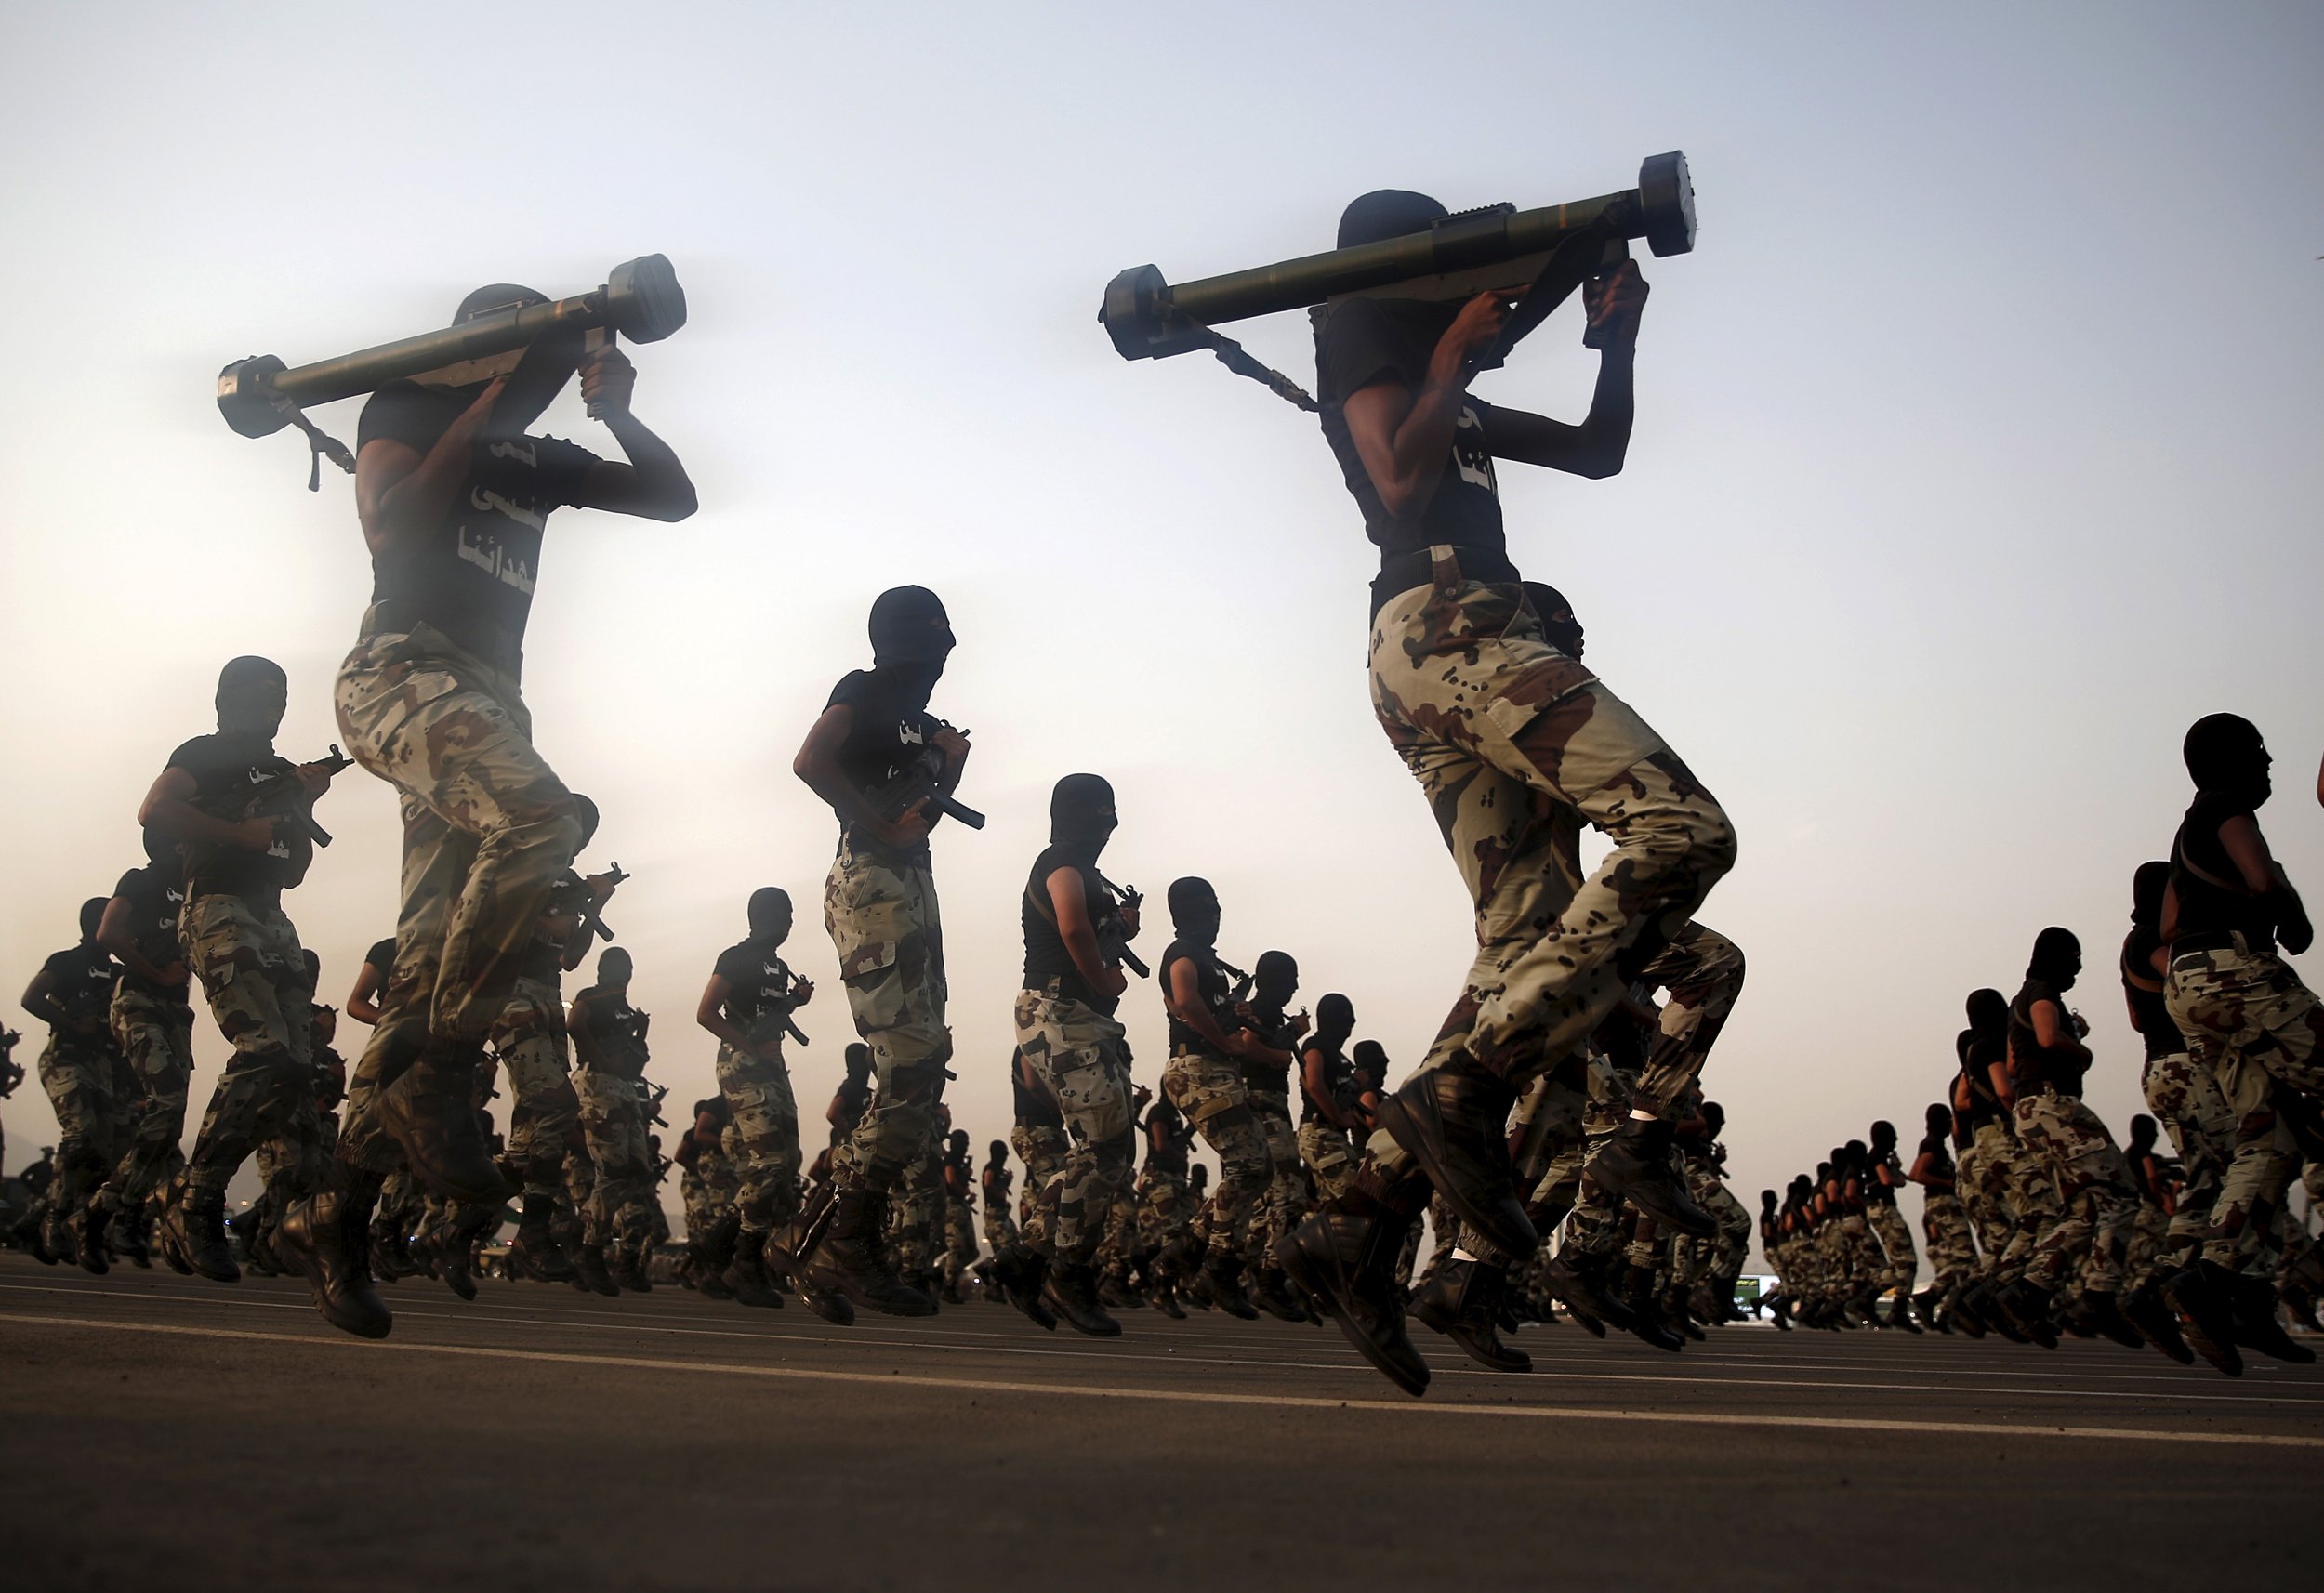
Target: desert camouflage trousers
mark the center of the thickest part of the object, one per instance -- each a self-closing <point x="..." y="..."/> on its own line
<point x="2097" y="1204"/>
<point x="488" y="830"/>
<point x="2185" y="1100"/>
<point x="1894" y="1234"/>
<point x="252" y="969"/>
<point x="706" y="1192"/>
<point x="1723" y="1254"/>
<point x="880" y="911"/>
<point x="1952" y="1249"/>
<point x="959" y="1239"/>
<point x="1283" y="1199"/>
<point x="1083" y="1057"/>
<point x="1517" y="746"/>
<point x="916" y="1213"/>
<point x="619" y="1203"/>
<point x="82" y="1075"/>
<point x="758" y="1087"/>
<point x="1981" y="1182"/>
<point x="2260" y="1033"/>
<point x="1209" y="1093"/>
<point x="1165" y="1213"/>
<point x="1000" y="1219"/>
<point x="156" y="1036"/>
<point x="529" y="1037"/>
<point x="1042" y="1150"/>
<point x="1330" y="1156"/>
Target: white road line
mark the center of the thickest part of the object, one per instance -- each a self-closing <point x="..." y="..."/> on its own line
<point x="1196" y="1397"/>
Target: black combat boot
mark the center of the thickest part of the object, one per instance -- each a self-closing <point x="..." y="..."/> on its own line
<point x="1778" y="1309"/>
<point x="95" y="1218"/>
<point x="628" y="1266"/>
<point x="327" y="1235"/>
<point x="429" y="1113"/>
<point x="128" y="1239"/>
<point x="1454" y="1121"/>
<point x="853" y="1261"/>
<point x="1344" y="1255"/>
<point x="743" y="1279"/>
<point x="1020" y="1271"/>
<point x="1221" y="1281"/>
<point x="193" y="1235"/>
<point x="1646" y="1324"/>
<point x="2028" y="1304"/>
<point x="57" y="1235"/>
<point x="1463" y="1302"/>
<point x="1575" y="1284"/>
<point x="2103" y="1314"/>
<point x="789" y="1248"/>
<point x="1270" y="1293"/>
<point x="535" y="1253"/>
<point x="588" y="1271"/>
<point x="1924" y="1307"/>
<point x="2256" y="1325"/>
<point x="2155" y="1321"/>
<point x="1634" y="1164"/>
<point x="1071" y="1291"/>
<point x="2203" y="1295"/>
<point x="2299" y="1300"/>
<point x="456" y="1264"/>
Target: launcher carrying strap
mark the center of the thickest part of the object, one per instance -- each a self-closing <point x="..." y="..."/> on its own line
<point x="319" y="443"/>
<point x="1243" y="363"/>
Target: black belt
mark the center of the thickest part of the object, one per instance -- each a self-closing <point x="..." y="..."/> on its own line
<point x="1416" y="567"/>
<point x="2225" y="941"/>
<point x="401" y="616"/>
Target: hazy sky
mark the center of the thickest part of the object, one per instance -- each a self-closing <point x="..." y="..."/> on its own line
<point x="1976" y="456"/>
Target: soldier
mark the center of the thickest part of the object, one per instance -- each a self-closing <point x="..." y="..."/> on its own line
<point x="1075" y="927"/>
<point x="1267" y="1084"/>
<point x="452" y="497"/>
<point x="1887" y="1175"/>
<point x="1515" y="745"/>
<point x="1944" y="1221"/>
<point x="608" y="1039"/>
<point x="1331" y="1110"/>
<point x="254" y="972"/>
<point x="71" y="994"/>
<point x="959" y="1173"/>
<point x="1039" y="1137"/>
<point x="1165" y="1204"/>
<point x="707" y="1187"/>
<point x="879" y="906"/>
<point x="995" y="1182"/>
<point x="152" y="1024"/>
<point x="2098" y="1202"/>
<point x="1204" y="1080"/>
<point x="748" y="1004"/>
<point x="2250" y="1022"/>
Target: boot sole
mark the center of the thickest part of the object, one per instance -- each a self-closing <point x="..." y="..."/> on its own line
<point x="1519" y="1241"/>
<point x="1413" y="1379"/>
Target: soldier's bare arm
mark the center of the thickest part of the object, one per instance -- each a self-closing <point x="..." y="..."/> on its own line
<point x="1069" y="904"/>
<point x="709" y="1015"/>
<point x="400" y="494"/>
<point x="817" y="766"/>
<point x="362" y="1002"/>
<point x="114" y="933"/>
<point x="40" y="1000"/>
<point x="1403" y="435"/>
<point x="654" y="484"/>
<point x="169" y="806"/>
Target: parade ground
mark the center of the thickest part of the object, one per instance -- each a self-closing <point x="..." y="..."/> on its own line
<point x="168" y="1432"/>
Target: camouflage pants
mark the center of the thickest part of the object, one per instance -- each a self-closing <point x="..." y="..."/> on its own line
<point x="1209" y="1093"/>
<point x="959" y="1239"/>
<point x="1330" y="1156"/>
<point x="1516" y="746"/>
<point x="2185" y="1100"/>
<point x="2097" y="1201"/>
<point x="157" y="1037"/>
<point x="1042" y="1150"/>
<point x="1163" y="1213"/>
<point x="530" y="1037"/>
<point x="1121" y="1230"/>
<point x="1952" y="1249"/>
<point x="1083" y="1056"/>
<point x="916" y="1214"/>
<point x="248" y="959"/>
<point x="620" y="1206"/>
<point x="1982" y="1183"/>
<point x="758" y="1087"/>
<point x="1896" y="1236"/>
<point x="2260" y="1032"/>
<point x="78" y="1073"/>
<point x="706" y="1192"/>
<point x="1284" y="1201"/>
<point x="1725" y="1251"/>
<point x="1000" y="1222"/>
<point x="2148" y="1238"/>
<point x="881" y="915"/>
<point x="488" y="830"/>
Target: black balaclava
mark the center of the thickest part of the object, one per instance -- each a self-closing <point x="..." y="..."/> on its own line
<point x="2224" y="752"/>
<point x="252" y="693"/>
<point x="911" y="638"/>
<point x="1275" y="979"/>
<point x="92" y="914"/>
<point x="1939" y="1118"/>
<point x="314" y="967"/>
<point x="2057" y="957"/>
<point x="1556" y="615"/>
<point x="2143" y="1131"/>
<point x="1335" y="1018"/>
<point x="1714" y="1118"/>
<point x="1081" y="814"/>
<point x="614" y="969"/>
<point x="584" y="810"/>
<point x="1766" y="1200"/>
<point x="769" y="914"/>
<point x="1988" y="1014"/>
<point x="1371" y="1061"/>
<point x="959" y="1140"/>
<point x="1387" y="213"/>
<point x="162" y="852"/>
<point x="997" y="1151"/>
<point x="1194" y="910"/>
<point x="859" y="1061"/>
<point x="1884" y="1135"/>
<point x="2147" y="887"/>
<point x="1856" y="1155"/>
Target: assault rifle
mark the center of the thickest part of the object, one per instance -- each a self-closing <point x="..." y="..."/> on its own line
<point x="1114" y="929"/>
<point x="916" y="783"/>
<point x="789" y="1006"/>
<point x="11" y="1070"/>
<point x="572" y="894"/>
<point x="283" y="797"/>
<point x="652" y="1095"/>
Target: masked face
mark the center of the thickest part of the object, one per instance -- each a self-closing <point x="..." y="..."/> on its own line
<point x="252" y="695"/>
<point x="614" y="969"/>
<point x="1195" y="910"/>
<point x="769" y="915"/>
<point x="1276" y="978"/>
<point x="2225" y="754"/>
<point x="1082" y="812"/>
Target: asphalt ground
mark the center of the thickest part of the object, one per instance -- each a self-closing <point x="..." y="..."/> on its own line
<point x="163" y="1432"/>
